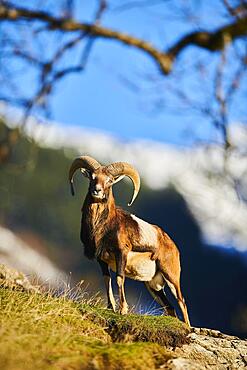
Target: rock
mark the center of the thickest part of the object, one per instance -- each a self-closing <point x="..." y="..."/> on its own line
<point x="13" y="279"/>
<point x="183" y="364"/>
<point x="210" y="349"/>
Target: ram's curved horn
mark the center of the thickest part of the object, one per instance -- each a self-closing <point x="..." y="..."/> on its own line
<point x="119" y="169"/>
<point x="84" y="162"/>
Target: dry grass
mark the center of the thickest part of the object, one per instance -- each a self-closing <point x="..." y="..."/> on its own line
<point x="40" y="331"/>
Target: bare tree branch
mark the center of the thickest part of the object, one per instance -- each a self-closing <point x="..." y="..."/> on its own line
<point x="211" y="41"/>
<point x="137" y="4"/>
<point x="221" y="121"/>
<point x="236" y="11"/>
<point x="101" y="8"/>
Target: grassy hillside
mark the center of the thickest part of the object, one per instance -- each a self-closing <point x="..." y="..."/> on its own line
<point x="41" y="331"/>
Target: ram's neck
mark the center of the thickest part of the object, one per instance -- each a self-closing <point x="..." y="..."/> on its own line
<point x="97" y="215"/>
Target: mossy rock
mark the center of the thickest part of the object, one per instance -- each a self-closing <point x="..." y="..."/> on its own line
<point x="13" y="279"/>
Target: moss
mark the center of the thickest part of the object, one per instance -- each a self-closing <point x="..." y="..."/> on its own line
<point x="144" y="356"/>
<point x="165" y="330"/>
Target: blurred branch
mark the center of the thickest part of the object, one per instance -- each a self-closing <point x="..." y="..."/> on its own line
<point x="101" y="8"/>
<point x="223" y="97"/>
<point x="211" y="41"/>
<point x="236" y="11"/>
<point x="237" y="78"/>
<point x="220" y="121"/>
<point x="137" y="4"/>
<point x="69" y="8"/>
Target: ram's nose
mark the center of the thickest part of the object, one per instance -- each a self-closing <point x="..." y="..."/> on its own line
<point x="96" y="191"/>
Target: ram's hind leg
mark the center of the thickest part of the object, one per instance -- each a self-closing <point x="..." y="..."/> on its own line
<point x="160" y="298"/>
<point x="176" y="291"/>
<point x="169" y="265"/>
<point x="173" y="281"/>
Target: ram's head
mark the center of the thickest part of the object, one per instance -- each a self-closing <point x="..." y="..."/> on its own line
<point x="101" y="178"/>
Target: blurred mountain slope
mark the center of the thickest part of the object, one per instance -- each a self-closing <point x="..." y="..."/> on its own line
<point x="215" y="192"/>
<point x="18" y="254"/>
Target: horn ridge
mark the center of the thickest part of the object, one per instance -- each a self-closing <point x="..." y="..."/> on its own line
<point x="87" y="162"/>
<point x="124" y="168"/>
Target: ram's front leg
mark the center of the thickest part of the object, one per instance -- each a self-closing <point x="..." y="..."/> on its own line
<point x="121" y="260"/>
<point x="107" y="280"/>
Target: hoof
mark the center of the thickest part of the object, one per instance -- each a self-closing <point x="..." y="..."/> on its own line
<point x="110" y="307"/>
<point x="123" y="311"/>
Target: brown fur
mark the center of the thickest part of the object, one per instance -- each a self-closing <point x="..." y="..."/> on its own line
<point x="106" y="227"/>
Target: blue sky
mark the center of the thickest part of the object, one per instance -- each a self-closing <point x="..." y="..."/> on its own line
<point x="100" y="99"/>
<point x="97" y="99"/>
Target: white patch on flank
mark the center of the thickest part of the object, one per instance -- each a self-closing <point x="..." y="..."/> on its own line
<point x="148" y="233"/>
<point x="139" y="266"/>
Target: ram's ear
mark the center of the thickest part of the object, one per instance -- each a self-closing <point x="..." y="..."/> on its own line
<point x="118" y="178"/>
<point x="86" y="173"/>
